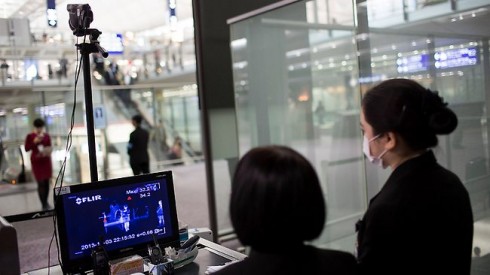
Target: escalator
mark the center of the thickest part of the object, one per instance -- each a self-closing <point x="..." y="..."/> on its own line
<point x="12" y="165"/>
<point x="162" y="135"/>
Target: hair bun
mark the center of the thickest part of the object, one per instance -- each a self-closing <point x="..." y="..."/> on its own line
<point x="443" y="121"/>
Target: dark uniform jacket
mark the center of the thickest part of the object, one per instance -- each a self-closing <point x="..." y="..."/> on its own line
<point x="303" y="260"/>
<point x="419" y="223"/>
<point x="138" y="146"/>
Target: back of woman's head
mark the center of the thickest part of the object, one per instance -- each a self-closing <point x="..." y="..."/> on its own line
<point x="403" y="106"/>
<point x="276" y="199"/>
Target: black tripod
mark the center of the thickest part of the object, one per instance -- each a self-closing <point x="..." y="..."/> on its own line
<point x="85" y="50"/>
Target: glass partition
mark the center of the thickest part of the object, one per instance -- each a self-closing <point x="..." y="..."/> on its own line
<point x="169" y="111"/>
<point x="296" y="84"/>
<point x="299" y="80"/>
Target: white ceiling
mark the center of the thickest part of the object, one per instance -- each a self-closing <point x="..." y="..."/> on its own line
<point x="109" y="15"/>
<point x="8" y="7"/>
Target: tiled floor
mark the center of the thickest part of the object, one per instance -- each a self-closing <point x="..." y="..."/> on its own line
<point x="20" y="198"/>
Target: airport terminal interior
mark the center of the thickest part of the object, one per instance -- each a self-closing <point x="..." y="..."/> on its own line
<point x="297" y="72"/>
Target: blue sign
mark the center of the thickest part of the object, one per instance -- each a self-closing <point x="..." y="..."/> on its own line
<point x="51" y="13"/>
<point x="456" y="58"/>
<point x="99" y="117"/>
<point x="452" y="58"/>
<point x="172" y="9"/>
<point x="372" y="79"/>
<point x="412" y="64"/>
<point x="112" y="42"/>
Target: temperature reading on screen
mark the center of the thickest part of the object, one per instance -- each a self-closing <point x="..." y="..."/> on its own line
<point x="121" y="216"/>
<point x="146" y="189"/>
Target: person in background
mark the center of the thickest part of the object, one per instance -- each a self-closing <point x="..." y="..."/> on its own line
<point x="4" y="68"/>
<point x="138" y="148"/>
<point x="175" y="152"/>
<point x="276" y="205"/>
<point x="63" y="66"/>
<point x="39" y="143"/>
<point x="320" y="113"/>
<point x="421" y="220"/>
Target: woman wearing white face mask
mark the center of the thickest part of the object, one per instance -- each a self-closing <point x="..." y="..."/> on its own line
<point x="421" y="220"/>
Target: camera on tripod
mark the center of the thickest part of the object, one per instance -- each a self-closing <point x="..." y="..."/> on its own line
<point x="81" y="16"/>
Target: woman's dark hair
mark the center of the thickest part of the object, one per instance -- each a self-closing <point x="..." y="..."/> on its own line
<point x="38" y="123"/>
<point x="276" y="199"/>
<point x="403" y="106"/>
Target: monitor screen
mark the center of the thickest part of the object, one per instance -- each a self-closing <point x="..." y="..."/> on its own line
<point x="125" y="214"/>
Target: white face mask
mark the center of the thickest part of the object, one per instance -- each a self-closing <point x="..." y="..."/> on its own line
<point x="365" y="148"/>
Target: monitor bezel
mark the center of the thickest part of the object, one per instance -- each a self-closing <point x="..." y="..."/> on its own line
<point x="85" y="263"/>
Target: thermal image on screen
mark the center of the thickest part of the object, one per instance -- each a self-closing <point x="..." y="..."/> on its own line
<point x="119" y="217"/>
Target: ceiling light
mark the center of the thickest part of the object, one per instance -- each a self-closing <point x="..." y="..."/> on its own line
<point x="239" y="43"/>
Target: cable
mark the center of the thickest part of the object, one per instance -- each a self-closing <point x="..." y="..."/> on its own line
<point x="61" y="173"/>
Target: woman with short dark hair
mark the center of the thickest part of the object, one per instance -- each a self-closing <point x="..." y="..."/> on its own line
<point x="421" y="220"/>
<point x="276" y="205"/>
